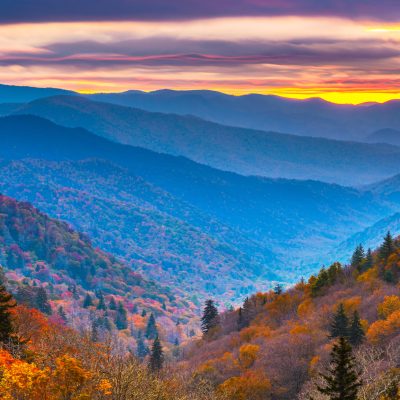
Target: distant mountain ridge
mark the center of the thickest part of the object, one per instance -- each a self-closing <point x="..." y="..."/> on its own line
<point x="244" y="151"/>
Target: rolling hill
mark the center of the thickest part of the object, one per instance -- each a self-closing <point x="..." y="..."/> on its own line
<point x="244" y="151"/>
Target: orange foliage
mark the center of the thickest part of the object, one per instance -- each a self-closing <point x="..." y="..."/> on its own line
<point x="389" y="305"/>
<point x="255" y="331"/>
<point x="248" y="355"/>
<point x="383" y="328"/>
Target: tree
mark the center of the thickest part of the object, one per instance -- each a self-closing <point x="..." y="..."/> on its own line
<point x="121" y="321"/>
<point x="156" y="356"/>
<point x="340" y="323"/>
<point x="101" y="304"/>
<point x="342" y="381"/>
<point x="387" y="247"/>
<point x="88" y="301"/>
<point x="278" y="289"/>
<point x="369" y="261"/>
<point x="62" y="314"/>
<point x="42" y="302"/>
<point x="356" y="331"/>
<point x="6" y="304"/>
<point x="151" y="328"/>
<point x="209" y="319"/>
<point x="357" y="258"/>
<point x="112" y="305"/>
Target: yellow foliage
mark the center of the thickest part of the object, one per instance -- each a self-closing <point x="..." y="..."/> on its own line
<point x="382" y="328"/>
<point x="389" y="305"/>
<point x="299" y="329"/>
<point x="255" y="331"/>
<point x="248" y="354"/>
<point x="306" y="308"/>
<point x="352" y="304"/>
<point x="252" y="385"/>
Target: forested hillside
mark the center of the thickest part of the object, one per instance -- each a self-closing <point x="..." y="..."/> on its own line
<point x="56" y="269"/>
<point x="278" y="343"/>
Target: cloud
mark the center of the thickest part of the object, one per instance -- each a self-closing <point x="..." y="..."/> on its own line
<point x="161" y="10"/>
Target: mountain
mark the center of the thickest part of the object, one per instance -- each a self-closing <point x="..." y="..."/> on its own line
<point x="311" y="117"/>
<point x="389" y="188"/>
<point x="24" y="94"/>
<point x="239" y="150"/>
<point x="250" y="217"/>
<point x="390" y="136"/>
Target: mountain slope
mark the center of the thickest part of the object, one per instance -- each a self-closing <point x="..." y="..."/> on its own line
<point x="244" y="151"/>
<point x="312" y="117"/>
<point x="390" y="136"/>
<point x="24" y="94"/>
<point x="274" y="215"/>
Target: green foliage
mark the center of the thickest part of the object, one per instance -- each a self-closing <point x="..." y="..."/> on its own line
<point x="342" y="381"/>
<point x="387" y="247"/>
<point x="210" y="317"/>
<point x="340" y="323"/>
<point x="357" y="258"/>
<point x="356" y="331"/>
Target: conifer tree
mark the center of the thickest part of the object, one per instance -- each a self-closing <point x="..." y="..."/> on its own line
<point x="151" y="328"/>
<point x="240" y="319"/>
<point x="6" y="304"/>
<point x="387" y="247"/>
<point x="156" y="356"/>
<point x="357" y="258"/>
<point x="101" y="305"/>
<point x="342" y="380"/>
<point x="356" y="332"/>
<point x="209" y="319"/>
<point x="88" y="301"/>
<point x="112" y="305"/>
<point x="248" y="312"/>
<point x="144" y="313"/>
<point x="340" y="323"/>
<point x="121" y="321"/>
<point x="278" y="289"/>
<point x="42" y="302"/>
<point x="369" y="261"/>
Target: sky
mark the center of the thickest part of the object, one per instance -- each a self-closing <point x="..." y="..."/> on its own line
<point x="345" y="51"/>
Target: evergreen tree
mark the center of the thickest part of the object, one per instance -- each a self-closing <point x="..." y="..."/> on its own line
<point x="144" y="313"/>
<point x="62" y="314"/>
<point x="141" y="349"/>
<point x="209" y="319"/>
<point x="151" y="328"/>
<point x="387" y="247"/>
<point x="42" y="302"/>
<point x="94" y="331"/>
<point x="369" y="261"/>
<point x="121" y="321"/>
<point x="357" y="258"/>
<point x="240" y="319"/>
<point x="112" y="305"/>
<point x="356" y="332"/>
<point x="156" y="356"/>
<point x="342" y="381"/>
<point x="6" y="304"/>
<point x="74" y="291"/>
<point x="164" y="307"/>
<point x="101" y="305"/>
<point x="278" y="289"/>
<point x="88" y="301"/>
<point x="340" y="323"/>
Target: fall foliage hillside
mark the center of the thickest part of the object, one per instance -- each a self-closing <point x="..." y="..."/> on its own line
<point x="276" y="345"/>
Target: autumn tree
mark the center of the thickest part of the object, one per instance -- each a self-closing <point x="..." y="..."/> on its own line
<point x="156" y="359"/>
<point x="340" y="323"/>
<point x="151" y="328"/>
<point x="42" y="301"/>
<point x="6" y="304"/>
<point x="209" y="319"/>
<point x="342" y="380"/>
<point x="356" y="331"/>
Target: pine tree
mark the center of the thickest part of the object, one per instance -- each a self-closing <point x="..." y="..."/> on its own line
<point x="112" y="305"/>
<point x="369" y="261"/>
<point x="121" y="321"/>
<point x="278" y="289"/>
<point x="156" y="356"/>
<point x="141" y="349"/>
<point x="240" y="319"/>
<point x="209" y="319"/>
<point x="88" y="301"/>
<point x="387" y="247"/>
<point x="342" y="381"/>
<point x="144" y="313"/>
<point x="42" y="302"/>
<point x="356" y="332"/>
<point x="357" y="258"/>
<point x="151" y="328"/>
<point x="6" y="304"/>
<point x="340" y="323"/>
<point x="101" y="305"/>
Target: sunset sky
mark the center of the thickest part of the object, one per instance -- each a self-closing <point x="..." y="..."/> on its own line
<point x="342" y="51"/>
